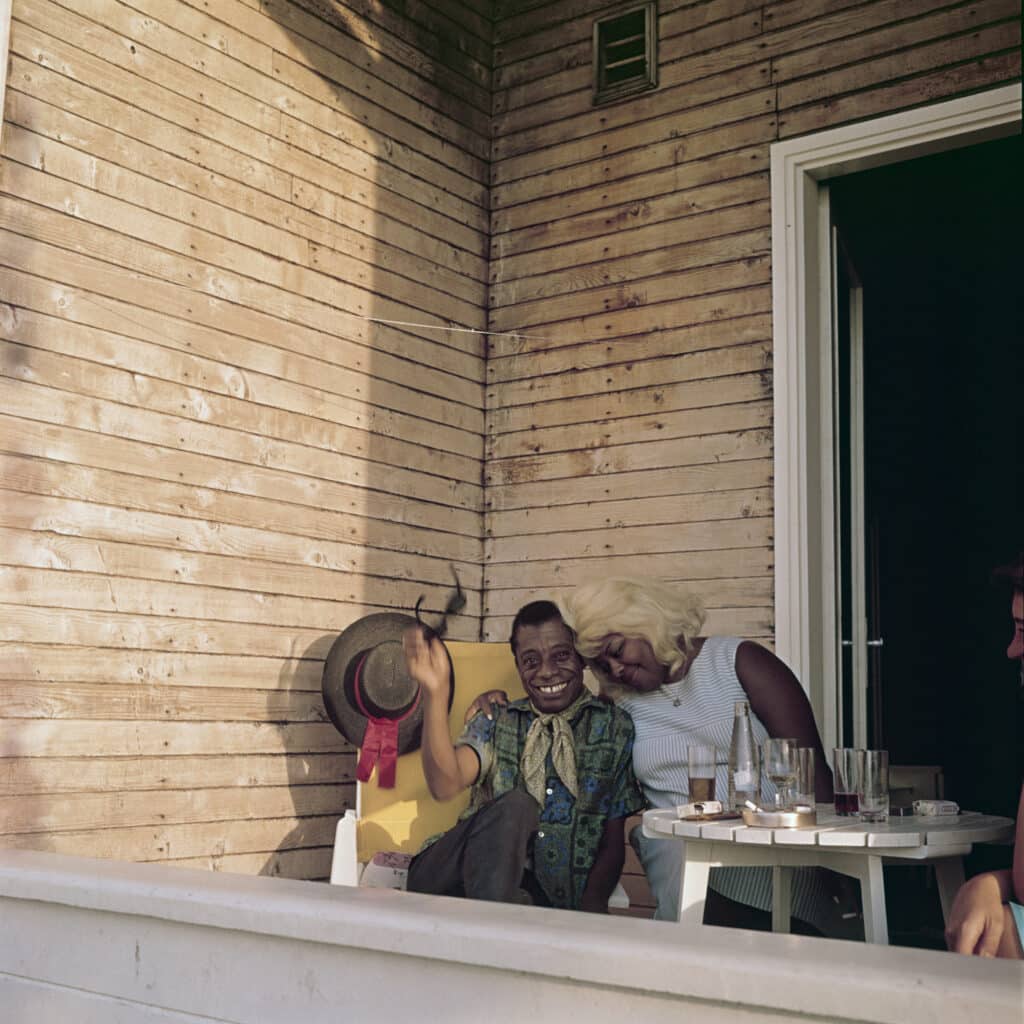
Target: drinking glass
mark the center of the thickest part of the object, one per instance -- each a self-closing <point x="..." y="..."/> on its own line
<point x="805" y="776"/>
<point x="781" y="767"/>
<point x="846" y="778"/>
<point x="701" y="766"/>
<point x="873" y="792"/>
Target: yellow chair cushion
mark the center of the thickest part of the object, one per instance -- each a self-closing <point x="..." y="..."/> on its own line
<point x="402" y="818"/>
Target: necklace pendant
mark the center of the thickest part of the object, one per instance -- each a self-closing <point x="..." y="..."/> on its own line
<point x="677" y="702"/>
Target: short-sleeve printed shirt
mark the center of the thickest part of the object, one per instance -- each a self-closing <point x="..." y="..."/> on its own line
<point x="570" y="830"/>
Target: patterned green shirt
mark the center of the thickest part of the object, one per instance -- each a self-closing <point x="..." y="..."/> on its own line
<point x="570" y="829"/>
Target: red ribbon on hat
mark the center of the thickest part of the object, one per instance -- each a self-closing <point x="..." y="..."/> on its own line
<point x="380" y="744"/>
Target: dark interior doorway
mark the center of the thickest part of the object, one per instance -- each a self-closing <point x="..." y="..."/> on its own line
<point x="937" y="242"/>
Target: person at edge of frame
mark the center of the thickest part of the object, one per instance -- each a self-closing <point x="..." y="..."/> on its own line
<point x="987" y="916"/>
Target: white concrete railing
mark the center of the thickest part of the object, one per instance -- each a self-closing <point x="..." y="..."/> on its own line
<point x="104" y="942"/>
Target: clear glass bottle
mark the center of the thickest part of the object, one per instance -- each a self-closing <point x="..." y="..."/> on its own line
<point x="744" y="761"/>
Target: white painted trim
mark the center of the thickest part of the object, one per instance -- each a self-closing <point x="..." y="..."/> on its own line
<point x="163" y="943"/>
<point x="798" y="317"/>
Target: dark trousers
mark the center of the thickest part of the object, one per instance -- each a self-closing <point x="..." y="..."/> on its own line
<point x="485" y="856"/>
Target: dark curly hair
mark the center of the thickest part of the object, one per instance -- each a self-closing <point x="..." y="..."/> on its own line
<point x="533" y="614"/>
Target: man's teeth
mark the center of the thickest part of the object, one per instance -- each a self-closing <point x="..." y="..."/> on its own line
<point x="557" y="688"/>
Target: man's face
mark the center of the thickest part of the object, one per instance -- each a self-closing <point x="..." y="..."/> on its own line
<point x="549" y="667"/>
<point x="1016" y="648"/>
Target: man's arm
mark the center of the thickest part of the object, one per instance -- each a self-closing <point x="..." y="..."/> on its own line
<point x="625" y="799"/>
<point x="611" y="855"/>
<point x="448" y="769"/>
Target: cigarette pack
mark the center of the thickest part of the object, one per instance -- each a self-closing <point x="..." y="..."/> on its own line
<point x="934" y="808"/>
<point x="699" y="808"/>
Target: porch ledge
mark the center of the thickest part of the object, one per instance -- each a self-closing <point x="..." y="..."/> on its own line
<point x="657" y="962"/>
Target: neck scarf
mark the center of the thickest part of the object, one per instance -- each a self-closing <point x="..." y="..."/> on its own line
<point x="551" y="732"/>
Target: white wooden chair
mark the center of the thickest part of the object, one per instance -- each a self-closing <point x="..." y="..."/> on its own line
<point x="373" y="844"/>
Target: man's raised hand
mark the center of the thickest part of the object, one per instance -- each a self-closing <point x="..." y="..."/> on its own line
<point x="427" y="661"/>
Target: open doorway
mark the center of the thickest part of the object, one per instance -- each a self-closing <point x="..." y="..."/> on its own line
<point x="936" y="241"/>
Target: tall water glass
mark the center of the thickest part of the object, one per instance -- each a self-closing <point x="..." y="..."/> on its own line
<point x="701" y="766"/>
<point x="780" y="767"/>
<point x="846" y="778"/>
<point x="873" y="792"/>
<point x="805" y="777"/>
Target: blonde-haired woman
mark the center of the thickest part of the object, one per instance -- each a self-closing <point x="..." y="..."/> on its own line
<point x="642" y="640"/>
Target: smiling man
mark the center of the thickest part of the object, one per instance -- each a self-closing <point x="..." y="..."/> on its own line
<point x="552" y="778"/>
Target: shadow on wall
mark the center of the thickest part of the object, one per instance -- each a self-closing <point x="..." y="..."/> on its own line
<point x="402" y="409"/>
<point x="319" y="768"/>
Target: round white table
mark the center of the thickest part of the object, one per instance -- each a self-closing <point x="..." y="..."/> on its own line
<point x="846" y="845"/>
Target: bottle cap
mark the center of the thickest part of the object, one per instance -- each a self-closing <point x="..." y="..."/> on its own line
<point x="741" y="707"/>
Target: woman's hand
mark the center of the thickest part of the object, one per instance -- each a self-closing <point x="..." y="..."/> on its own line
<point x="484" y="703"/>
<point x="977" y="918"/>
<point x="427" y="661"/>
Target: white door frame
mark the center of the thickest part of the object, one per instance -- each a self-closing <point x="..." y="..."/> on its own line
<point x="805" y="600"/>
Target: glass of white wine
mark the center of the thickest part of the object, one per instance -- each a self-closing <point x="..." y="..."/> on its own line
<point x="780" y="765"/>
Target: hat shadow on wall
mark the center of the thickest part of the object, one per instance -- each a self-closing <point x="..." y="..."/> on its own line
<point x="318" y="767"/>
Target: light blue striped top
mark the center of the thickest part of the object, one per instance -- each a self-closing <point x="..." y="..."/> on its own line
<point x="704" y="715"/>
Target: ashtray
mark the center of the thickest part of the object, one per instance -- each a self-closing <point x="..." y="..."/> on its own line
<point x="780" y="819"/>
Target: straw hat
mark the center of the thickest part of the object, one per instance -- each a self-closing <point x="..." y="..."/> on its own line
<point x="370" y="696"/>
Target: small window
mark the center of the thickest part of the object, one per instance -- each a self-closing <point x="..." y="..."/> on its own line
<point x="625" y="53"/>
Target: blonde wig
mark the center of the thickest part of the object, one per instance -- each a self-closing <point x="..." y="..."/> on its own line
<point x="666" y="616"/>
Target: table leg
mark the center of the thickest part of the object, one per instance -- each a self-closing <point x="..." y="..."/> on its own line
<point x="872" y="889"/>
<point x="949" y="874"/>
<point x="693" y="887"/>
<point x="782" y="888"/>
<point x="867" y="869"/>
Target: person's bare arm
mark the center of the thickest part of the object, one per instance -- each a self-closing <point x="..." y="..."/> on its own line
<point x="448" y="769"/>
<point x="607" y="868"/>
<point x="980" y="922"/>
<point x="778" y="699"/>
<point x="977" y="919"/>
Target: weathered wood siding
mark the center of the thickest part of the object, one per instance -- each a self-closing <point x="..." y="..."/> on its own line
<point x="629" y="427"/>
<point x="211" y="462"/>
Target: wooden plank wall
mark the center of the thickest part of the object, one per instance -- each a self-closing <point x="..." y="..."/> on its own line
<point x="211" y="463"/>
<point x="629" y="425"/>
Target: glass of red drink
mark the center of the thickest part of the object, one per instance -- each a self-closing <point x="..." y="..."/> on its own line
<point x="846" y="763"/>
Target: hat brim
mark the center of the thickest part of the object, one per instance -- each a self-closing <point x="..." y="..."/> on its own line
<point x="352" y="643"/>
